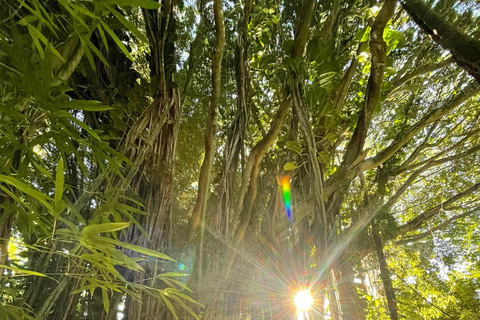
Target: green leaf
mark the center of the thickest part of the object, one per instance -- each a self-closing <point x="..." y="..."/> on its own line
<point x="67" y="115"/>
<point x="185" y="297"/>
<point x="106" y="302"/>
<point x="294" y="146"/>
<point x="147" y="4"/>
<point x="117" y="40"/>
<point x="325" y="79"/>
<point x="59" y="181"/>
<point x="102" y="35"/>
<point x="172" y="282"/>
<point x="323" y="157"/>
<point x="173" y="274"/>
<point x="36" y="34"/>
<point x="128" y="24"/>
<point x="169" y="305"/>
<point x="184" y="305"/>
<point x="24" y="273"/>
<point x="142" y="250"/>
<point x="289" y="166"/>
<point x="45" y="200"/>
<point x="104" y="227"/>
<point x="98" y="53"/>
<point x="363" y="34"/>
<point x="86" y="105"/>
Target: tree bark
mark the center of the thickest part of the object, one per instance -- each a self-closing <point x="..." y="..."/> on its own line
<point x="153" y="153"/>
<point x="384" y="273"/>
<point x="465" y="49"/>
<point x="236" y="135"/>
<point x="378" y="49"/>
<point x="200" y="208"/>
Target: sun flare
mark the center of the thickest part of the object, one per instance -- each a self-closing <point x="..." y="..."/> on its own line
<point x="303" y="300"/>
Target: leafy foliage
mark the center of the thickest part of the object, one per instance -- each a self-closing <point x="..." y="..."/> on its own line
<point x="103" y="110"/>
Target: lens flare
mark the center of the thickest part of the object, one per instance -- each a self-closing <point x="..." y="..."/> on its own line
<point x="286" y="196"/>
<point x="303" y="300"/>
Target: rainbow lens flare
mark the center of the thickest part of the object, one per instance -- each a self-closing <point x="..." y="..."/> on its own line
<point x="286" y="196"/>
<point x="181" y="266"/>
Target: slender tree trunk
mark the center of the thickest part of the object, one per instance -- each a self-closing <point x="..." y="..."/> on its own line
<point x="198" y="213"/>
<point x="385" y="273"/>
<point x="236" y="134"/>
<point x="352" y="306"/>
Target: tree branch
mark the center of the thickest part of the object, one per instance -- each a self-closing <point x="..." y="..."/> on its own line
<point x="303" y="28"/>
<point x="437" y="227"/>
<point x="378" y="49"/>
<point x="418" y="221"/>
<point x="428" y="68"/>
<point x="430" y="117"/>
<point x="465" y="49"/>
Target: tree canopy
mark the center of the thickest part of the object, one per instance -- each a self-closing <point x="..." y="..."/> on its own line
<point x="183" y="160"/>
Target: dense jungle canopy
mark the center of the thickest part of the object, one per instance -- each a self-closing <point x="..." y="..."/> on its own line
<point x="176" y="159"/>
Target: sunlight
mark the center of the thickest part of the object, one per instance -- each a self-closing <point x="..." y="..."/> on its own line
<point x="303" y="300"/>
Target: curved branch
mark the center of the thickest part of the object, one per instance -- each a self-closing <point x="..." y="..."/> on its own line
<point x="417" y="72"/>
<point x="437" y="227"/>
<point x="471" y="91"/>
<point x="418" y="221"/>
<point x="378" y="49"/>
<point x="250" y="176"/>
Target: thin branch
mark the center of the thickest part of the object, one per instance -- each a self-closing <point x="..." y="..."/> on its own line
<point x="419" y="220"/>
<point x="471" y="91"/>
<point x="438" y="227"/>
<point x="428" y="68"/>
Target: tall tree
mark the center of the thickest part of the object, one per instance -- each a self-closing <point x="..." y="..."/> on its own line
<point x="138" y="133"/>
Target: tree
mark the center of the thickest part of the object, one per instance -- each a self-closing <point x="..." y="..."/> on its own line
<point x="145" y="131"/>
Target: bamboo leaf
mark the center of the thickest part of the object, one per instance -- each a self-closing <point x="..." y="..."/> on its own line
<point x="25" y="273"/>
<point x="142" y="250"/>
<point x="98" y="53"/>
<point x="45" y="200"/>
<point x="106" y="302"/>
<point x="35" y="33"/>
<point x="67" y="115"/>
<point x="173" y="274"/>
<point x="86" y="105"/>
<point x="185" y="297"/>
<point x="169" y="305"/>
<point x="117" y="40"/>
<point x="128" y="24"/>
<point x="184" y="305"/>
<point x="59" y="182"/>
<point x="104" y="227"/>
<point x="102" y="35"/>
<point x="147" y="4"/>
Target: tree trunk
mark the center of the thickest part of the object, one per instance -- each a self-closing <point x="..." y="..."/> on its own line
<point x="465" y="49"/>
<point x="384" y="273"/>
<point x="198" y="213"/>
<point x="236" y="134"/>
<point x="151" y="145"/>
